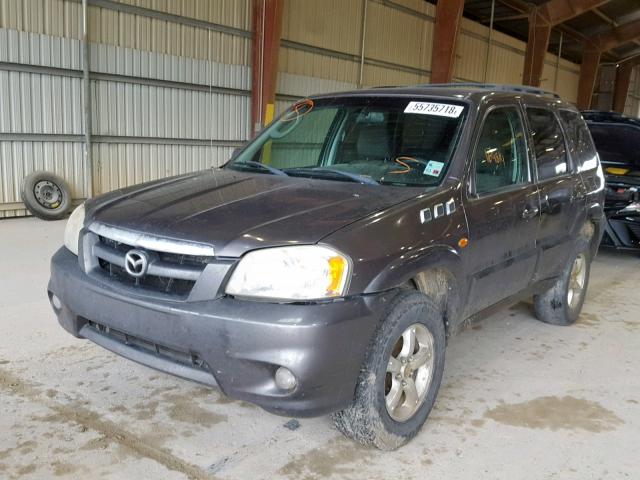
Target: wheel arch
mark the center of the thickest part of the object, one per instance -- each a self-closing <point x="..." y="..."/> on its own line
<point x="594" y="227"/>
<point x="438" y="273"/>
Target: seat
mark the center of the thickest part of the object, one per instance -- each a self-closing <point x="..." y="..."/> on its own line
<point x="373" y="143"/>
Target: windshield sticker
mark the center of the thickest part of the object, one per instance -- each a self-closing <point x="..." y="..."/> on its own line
<point x="430" y="108"/>
<point x="433" y="168"/>
<point x="493" y="155"/>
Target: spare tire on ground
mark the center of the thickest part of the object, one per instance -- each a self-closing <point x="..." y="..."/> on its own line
<point x="46" y="195"/>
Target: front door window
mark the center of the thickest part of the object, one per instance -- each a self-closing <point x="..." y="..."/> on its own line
<point x="500" y="156"/>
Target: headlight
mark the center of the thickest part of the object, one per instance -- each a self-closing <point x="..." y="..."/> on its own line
<point x="72" y="230"/>
<point x="301" y="272"/>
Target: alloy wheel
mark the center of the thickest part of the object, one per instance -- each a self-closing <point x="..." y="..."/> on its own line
<point x="576" y="281"/>
<point x="409" y="372"/>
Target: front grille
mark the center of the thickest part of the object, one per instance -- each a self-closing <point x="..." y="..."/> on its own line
<point x="189" y="359"/>
<point x="168" y="273"/>
<point x="156" y="283"/>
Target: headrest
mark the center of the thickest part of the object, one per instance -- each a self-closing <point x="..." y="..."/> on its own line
<point x="373" y="142"/>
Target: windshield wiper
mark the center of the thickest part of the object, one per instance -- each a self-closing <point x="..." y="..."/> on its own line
<point x="272" y="170"/>
<point x="333" y="172"/>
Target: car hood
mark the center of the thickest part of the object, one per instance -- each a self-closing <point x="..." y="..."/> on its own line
<point x="235" y="212"/>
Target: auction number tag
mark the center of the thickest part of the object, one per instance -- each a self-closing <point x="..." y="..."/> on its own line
<point x="439" y="109"/>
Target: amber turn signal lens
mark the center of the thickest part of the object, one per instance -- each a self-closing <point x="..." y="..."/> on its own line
<point x="337" y="267"/>
<point x="463" y="242"/>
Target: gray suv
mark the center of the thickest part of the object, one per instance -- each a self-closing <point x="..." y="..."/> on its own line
<point x="322" y="269"/>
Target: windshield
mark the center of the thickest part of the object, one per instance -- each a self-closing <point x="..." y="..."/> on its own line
<point x="370" y="140"/>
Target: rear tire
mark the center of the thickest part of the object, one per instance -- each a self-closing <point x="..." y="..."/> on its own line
<point x="46" y="195"/>
<point x="562" y="303"/>
<point x="396" y="390"/>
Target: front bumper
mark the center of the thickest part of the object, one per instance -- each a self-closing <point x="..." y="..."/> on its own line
<point x="235" y="344"/>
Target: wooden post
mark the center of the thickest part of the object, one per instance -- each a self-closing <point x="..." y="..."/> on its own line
<point x="445" y="34"/>
<point x="267" y="28"/>
<point x="588" y="72"/>
<point x="537" y="44"/>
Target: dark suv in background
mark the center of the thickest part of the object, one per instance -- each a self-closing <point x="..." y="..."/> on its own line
<point x="617" y="139"/>
<point x="322" y="269"/>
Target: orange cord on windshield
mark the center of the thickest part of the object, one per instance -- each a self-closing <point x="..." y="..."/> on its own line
<point x="298" y="110"/>
<point x="406" y="166"/>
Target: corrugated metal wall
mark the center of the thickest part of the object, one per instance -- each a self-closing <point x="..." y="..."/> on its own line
<point x="397" y="48"/>
<point x="632" y="106"/>
<point x="170" y="79"/>
<point x="169" y="94"/>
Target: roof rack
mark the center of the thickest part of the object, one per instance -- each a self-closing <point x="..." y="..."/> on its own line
<point x="494" y="86"/>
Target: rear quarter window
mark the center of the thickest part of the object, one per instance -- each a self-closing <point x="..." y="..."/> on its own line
<point x="579" y="140"/>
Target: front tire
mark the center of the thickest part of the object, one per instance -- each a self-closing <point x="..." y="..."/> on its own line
<point x="400" y="377"/>
<point x="562" y="303"/>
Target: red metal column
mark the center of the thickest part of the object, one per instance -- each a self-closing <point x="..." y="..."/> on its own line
<point x="267" y="28"/>
<point x="588" y="72"/>
<point x="445" y="34"/>
<point x="541" y="19"/>
<point x="537" y="44"/>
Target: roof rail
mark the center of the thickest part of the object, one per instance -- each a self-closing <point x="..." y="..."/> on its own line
<point x="494" y="86"/>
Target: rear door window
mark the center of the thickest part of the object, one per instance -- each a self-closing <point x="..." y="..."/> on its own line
<point x="548" y="143"/>
<point x="579" y="140"/>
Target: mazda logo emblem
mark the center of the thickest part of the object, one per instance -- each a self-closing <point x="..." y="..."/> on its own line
<point x="136" y="263"/>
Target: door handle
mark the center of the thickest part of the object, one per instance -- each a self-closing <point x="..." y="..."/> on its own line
<point x="530" y="212"/>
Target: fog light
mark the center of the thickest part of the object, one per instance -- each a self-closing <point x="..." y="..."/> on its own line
<point x="55" y="301"/>
<point x="285" y="379"/>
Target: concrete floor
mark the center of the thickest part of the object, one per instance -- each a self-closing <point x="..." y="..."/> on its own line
<point x="519" y="399"/>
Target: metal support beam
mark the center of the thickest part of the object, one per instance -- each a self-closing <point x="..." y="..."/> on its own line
<point x="505" y="18"/>
<point x="617" y="36"/>
<point x="588" y="72"/>
<point x="448" y="16"/>
<point x="623" y="78"/>
<point x="489" y="42"/>
<point x="593" y="50"/>
<point x="86" y="87"/>
<point x="541" y="20"/>
<point x="555" y="75"/>
<point x="610" y="21"/>
<point x="363" y="39"/>
<point x="558" y="11"/>
<point x="537" y="45"/>
<point x="267" y="29"/>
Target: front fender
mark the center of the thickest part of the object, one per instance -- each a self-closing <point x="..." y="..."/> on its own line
<point x="407" y="267"/>
<point x="439" y="260"/>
